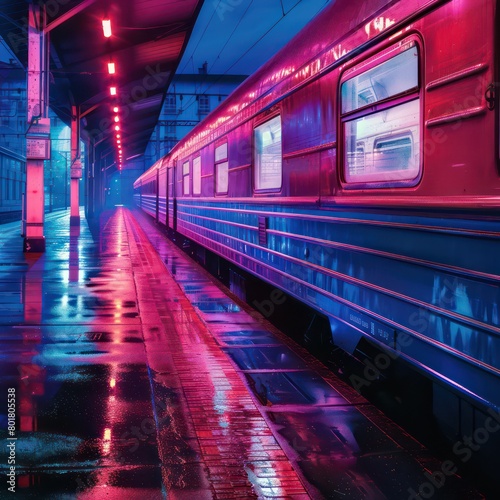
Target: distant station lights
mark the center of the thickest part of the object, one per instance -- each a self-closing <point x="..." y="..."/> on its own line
<point x="106" y="29"/>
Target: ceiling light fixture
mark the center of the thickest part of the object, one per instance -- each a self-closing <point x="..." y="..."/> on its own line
<point x="106" y="27"/>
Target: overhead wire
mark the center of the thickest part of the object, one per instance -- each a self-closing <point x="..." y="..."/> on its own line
<point x="191" y="102"/>
<point x="224" y="46"/>
<point x="201" y="37"/>
<point x="282" y="7"/>
<point x="231" y="34"/>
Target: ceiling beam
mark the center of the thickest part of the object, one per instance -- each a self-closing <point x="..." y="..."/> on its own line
<point x="85" y="113"/>
<point x="64" y="17"/>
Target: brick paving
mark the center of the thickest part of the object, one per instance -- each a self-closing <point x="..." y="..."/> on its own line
<point x="241" y="456"/>
<point x="139" y="377"/>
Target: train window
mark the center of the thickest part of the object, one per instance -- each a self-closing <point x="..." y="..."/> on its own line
<point x="185" y="178"/>
<point x="221" y="169"/>
<point x="268" y="155"/>
<point x="381" y="120"/>
<point x="197" y="175"/>
<point x="222" y="178"/>
<point x="390" y="78"/>
<point x="221" y="152"/>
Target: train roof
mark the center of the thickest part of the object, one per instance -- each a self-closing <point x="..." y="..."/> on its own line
<point x="315" y="47"/>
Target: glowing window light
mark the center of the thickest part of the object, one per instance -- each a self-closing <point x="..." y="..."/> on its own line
<point x="106" y="27"/>
<point x="106" y="445"/>
<point x="112" y="383"/>
<point x="111" y="68"/>
<point x="117" y="119"/>
<point x="117" y="127"/>
<point x="112" y="90"/>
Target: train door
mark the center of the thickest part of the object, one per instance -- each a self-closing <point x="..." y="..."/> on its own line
<point x="167" y="196"/>
<point x="174" y="195"/>
<point x="157" y="191"/>
<point x="170" y="197"/>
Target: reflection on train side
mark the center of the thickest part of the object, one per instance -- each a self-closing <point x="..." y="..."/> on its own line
<point x="455" y="296"/>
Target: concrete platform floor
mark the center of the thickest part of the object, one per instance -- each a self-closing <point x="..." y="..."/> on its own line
<point x="133" y="375"/>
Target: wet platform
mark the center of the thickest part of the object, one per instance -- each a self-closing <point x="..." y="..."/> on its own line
<point x="137" y="376"/>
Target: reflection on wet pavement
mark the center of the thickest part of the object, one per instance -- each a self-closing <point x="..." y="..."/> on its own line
<point x="340" y="446"/>
<point x="288" y="387"/>
<point x="116" y="396"/>
<point x="69" y="334"/>
<point x="132" y="385"/>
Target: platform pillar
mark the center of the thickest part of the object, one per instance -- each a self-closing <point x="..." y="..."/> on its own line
<point x="89" y="181"/>
<point x="76" y="167"/>
<point x="38" y="132"/>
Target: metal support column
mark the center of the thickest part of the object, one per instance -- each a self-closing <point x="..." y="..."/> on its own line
<point x="76" y="167"/>
<point x="89" y="181"/>
<point x="37" y="137"/>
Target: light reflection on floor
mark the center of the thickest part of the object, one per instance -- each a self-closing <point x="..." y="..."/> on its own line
<point x="125" y="389"/>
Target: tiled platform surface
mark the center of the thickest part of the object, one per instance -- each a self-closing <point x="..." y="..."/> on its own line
<point x="138" y="377"/>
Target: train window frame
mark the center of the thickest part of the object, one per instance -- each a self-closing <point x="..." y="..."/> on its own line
<point x="406" y="104"/>
<point x="257" y="126"/>
<point x="185" y="178"/>
<point x="221" y="166"/>
<point x="197" y="176"/>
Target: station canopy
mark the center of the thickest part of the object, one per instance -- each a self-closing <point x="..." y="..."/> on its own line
<point x="147" y="42"/>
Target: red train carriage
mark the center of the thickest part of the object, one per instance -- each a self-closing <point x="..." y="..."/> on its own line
<point x="358" y="170"/>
